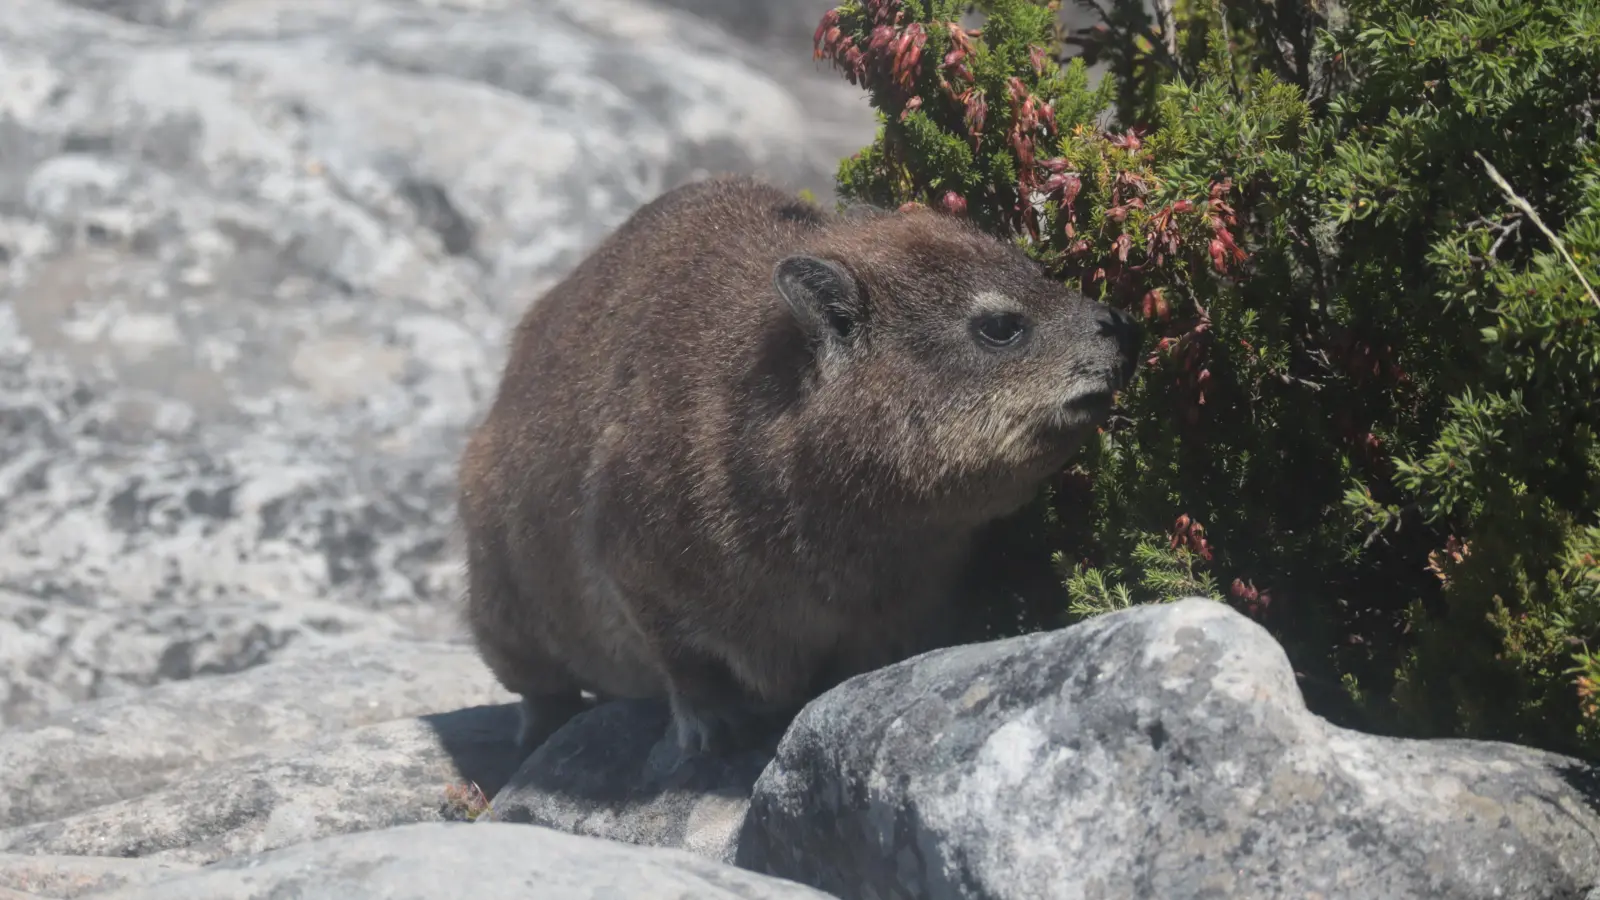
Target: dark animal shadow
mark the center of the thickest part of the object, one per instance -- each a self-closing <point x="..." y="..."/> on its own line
<point x="619" y="756"/>
<point x="1585" y="779"/>
<point x="481" y="742"/>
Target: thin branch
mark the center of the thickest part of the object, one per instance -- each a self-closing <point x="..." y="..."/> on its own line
<point x="1321" y="357"/>
<point x="1163" y="46"/>
<point x="1168" y="18"/>
<point x="1505" y="233"/>
<point x="1286" y="378"/>
<point x="1163" y="55"/>
<point x="1101" y="11"/>
<point x="1533" y="215"/>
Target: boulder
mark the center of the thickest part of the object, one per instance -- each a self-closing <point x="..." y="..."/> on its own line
<point x="258" y="264"/>
<point x="487" y="862"/>
<point x="1161" y="751"/>
<point x="125" y="748"/>
<point x="615" y="772"/>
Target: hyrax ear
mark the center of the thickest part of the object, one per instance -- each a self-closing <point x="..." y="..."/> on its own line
<point x="824" y="298"/>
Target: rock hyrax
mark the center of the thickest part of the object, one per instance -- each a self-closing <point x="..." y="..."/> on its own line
<point x="741" y="452"/>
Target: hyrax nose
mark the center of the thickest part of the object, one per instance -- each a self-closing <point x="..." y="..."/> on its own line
<point x="1119" y="326"/>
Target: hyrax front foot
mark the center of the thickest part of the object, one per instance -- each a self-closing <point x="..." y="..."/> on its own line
<point x="721" y="730"/>
<point x="543" y="715"/>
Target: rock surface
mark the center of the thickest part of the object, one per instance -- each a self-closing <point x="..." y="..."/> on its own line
<point x="614" y="772"/>
<point x="1156" y="752"/>
<point x="66" y="877"/>
<point x="1160" y="751"/>
<point x="258" y="261"/>
<point x="490" y="861"/>
<point x="125" y="794"/>
<point x="125" y="748"/>
<point x="365" y="779"/>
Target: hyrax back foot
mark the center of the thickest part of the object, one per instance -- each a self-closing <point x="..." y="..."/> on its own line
<point x="543" y="715"/>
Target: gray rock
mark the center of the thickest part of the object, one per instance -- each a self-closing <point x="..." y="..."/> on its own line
<point x="258" y="261"/>
<point x="55" y="654"/>
<point x="65" y="877"/>
<point x="360" y="780"/>
<point x="783" y="25"/>
<point x="492" y="861"/>
<point x="127" y="747"/>
<point x="614" y="772"/>
<point x="1161" y="751"/>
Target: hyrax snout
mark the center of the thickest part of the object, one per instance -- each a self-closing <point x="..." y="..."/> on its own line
<point x="741" y="452"/>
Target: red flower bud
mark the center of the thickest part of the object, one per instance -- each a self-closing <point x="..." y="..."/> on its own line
<point x="830" y="19"/>
<point x="977" y="111"/>
<point x="1069" y="191"/>
<point x="855" y="63"/>
<point x="1129" y="141"/>
<point x="1038" y="57"/>
<point x="882" y="37"/>
<point x="1154" y="305"/>
<point x="1216" y="249"/>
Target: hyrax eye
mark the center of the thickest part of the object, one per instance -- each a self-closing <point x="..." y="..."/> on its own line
<point x="999" y="329"/>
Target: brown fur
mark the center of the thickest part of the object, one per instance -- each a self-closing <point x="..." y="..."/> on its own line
<point x="704" y="481"/>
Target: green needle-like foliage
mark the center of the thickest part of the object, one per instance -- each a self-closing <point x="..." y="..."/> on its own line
<point x="1363" y="239"/>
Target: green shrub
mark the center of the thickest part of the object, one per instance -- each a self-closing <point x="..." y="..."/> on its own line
<point x="1354" y="235"/>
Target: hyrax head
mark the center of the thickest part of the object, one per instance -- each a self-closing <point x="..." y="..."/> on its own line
<point x="946" y="368"/>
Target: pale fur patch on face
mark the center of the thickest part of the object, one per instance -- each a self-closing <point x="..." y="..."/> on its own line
<point x="976" y="434"/>
<point x="992" y="301"/>
<point x="996" y="421"/>
<point x="961" y="435"/>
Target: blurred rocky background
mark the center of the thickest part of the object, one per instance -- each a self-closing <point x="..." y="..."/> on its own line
<point x="258" y="261"/>
<point x="258" y="264"/>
